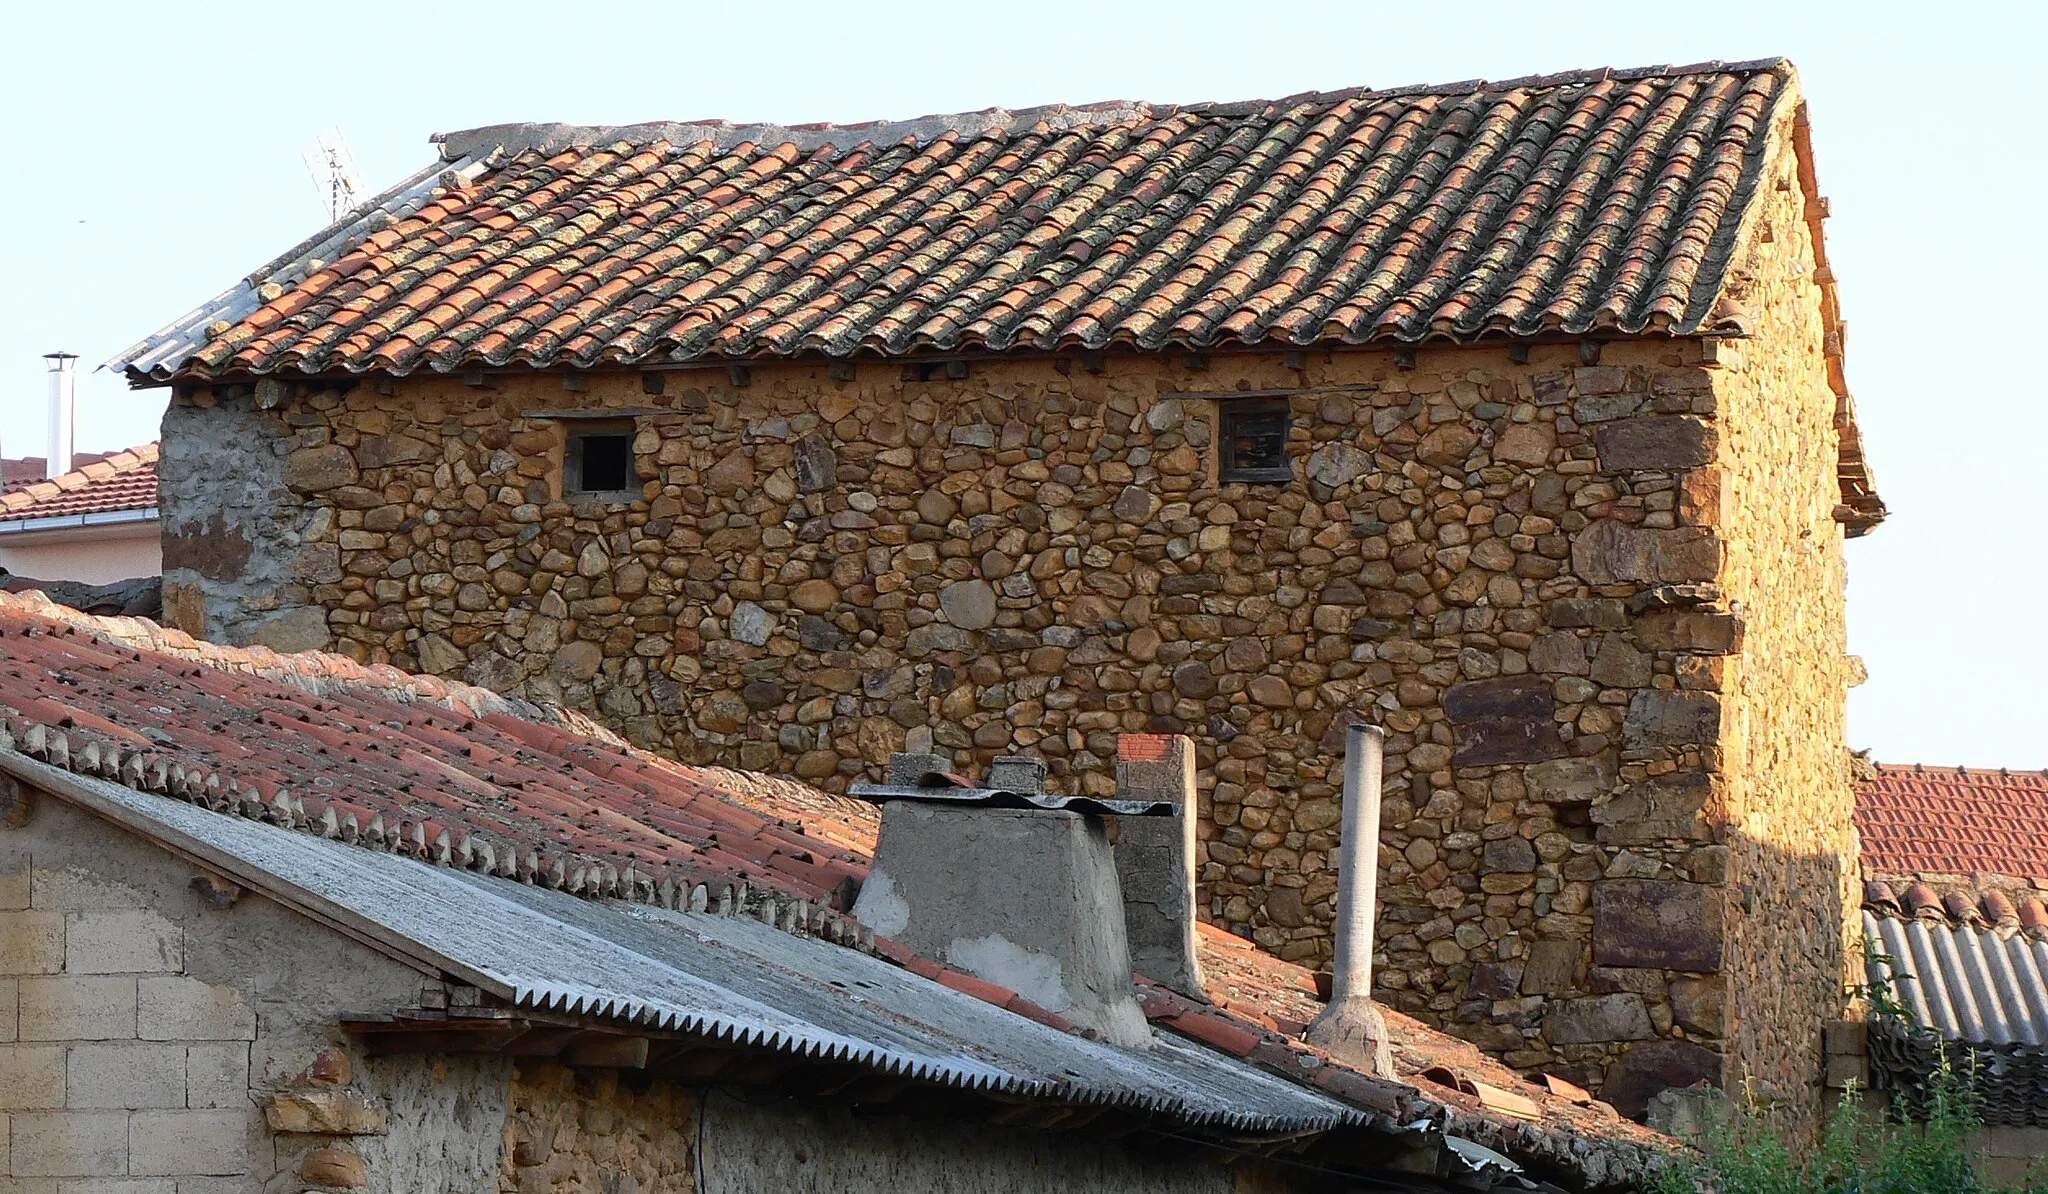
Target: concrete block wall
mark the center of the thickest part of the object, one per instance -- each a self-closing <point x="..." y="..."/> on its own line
<point x="146" y="1032"/>
<point x="118" y="1070"/>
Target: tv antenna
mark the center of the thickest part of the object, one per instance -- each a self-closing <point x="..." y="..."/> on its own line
<point x="333" y="168"/>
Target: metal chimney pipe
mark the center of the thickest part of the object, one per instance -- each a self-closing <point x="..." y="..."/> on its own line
<point x="63" y="400"/>
<point x="1351" y="1027"/>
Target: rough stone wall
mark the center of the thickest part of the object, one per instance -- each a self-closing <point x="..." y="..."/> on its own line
<point x="755" y="1147"/>
<point x="1488" y="556"/>
<point x="239" y="557"/>
<point x="585" y="1131"/>
<point x="154" y="1041"/>
<point x="1794" y="937"/>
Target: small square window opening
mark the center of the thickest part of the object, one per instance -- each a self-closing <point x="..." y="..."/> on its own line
<point x="1253" y="442"/>
<point x="600" y="458"/>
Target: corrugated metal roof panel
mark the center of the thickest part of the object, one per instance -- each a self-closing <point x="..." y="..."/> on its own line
<point x="731" y="979"/>
<point x="1005" y="798"/>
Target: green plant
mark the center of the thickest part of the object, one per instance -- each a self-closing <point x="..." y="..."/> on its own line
<point x="1882" y="996"/>
<point x="1858" y="1153"/>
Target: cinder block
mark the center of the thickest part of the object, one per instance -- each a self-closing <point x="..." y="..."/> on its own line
<point x="76" y="889"/>
<point x="196" y="1143"/>
<point x="31" y="1077"/>
<point x="220" y="1185"/>
<point x="217" y="1075"/>
<point x="177" y="1008"/>
<point x="130" y="1074"/>
<point x="122" y="943"/>
<point x="1846" y="1037"/>
<point x="14" y="890"/>
<point x="118" y="1185"/>
<point x="10" y="1007"/>
<point x="78" y="1008"/>
<point x="1844" y="1068"/>
<point x="31" y="942"/>
<point x="70" y="1143"/>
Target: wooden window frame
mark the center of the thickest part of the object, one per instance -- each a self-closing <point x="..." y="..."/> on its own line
<point x="1228" y="471"/>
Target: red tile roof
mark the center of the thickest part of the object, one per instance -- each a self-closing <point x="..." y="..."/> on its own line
<point x="124" y="480"/>
<point x="405" y="759"/>
<point x="1916" y="820"/>
<point x="1599" y="201"/>
<point x="19" y="471"/>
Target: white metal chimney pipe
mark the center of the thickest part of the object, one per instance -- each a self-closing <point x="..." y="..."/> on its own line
<point x="1351" y="1027"/>
<point x="63" y="401"/>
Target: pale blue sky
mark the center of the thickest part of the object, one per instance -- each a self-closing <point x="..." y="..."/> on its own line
<point x="152" y="156"/>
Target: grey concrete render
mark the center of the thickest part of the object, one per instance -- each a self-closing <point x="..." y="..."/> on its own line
<point x="1155" y="863"/>
<point x="1024" y="898"/>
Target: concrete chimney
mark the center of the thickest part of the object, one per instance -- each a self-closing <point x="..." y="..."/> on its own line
<point x="1155" y="859"/>
<point x="63" y="398"/>
<point x="1027" y="898"/>
<point x="1351" y="1028"/>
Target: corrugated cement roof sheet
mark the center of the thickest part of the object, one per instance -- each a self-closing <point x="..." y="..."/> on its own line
<point x="731" y="979"/>
<point x="1971" y="984"/>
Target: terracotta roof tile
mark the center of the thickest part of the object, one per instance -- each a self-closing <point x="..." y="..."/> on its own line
<point x="124" y="480"/>
<point x="1916" y="820"/>
<point x="1963" y="905"/>
<point x="407" y="758"/>
<point x="1601" y="201"/>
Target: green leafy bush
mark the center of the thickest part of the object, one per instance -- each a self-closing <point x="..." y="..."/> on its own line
<point x="1859" y="1152"/>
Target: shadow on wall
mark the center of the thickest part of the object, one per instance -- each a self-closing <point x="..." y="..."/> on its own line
<point x="1667" y="980"/>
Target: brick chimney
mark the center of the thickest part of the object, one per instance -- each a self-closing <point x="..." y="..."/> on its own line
<point x="1155" y="859"/>
<point x="1024" y="897"/>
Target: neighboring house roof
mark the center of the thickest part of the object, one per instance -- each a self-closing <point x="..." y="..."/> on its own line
<point x="460" y="824"/>
<point x="116" y="483"/>
<point x="18" y="471"/>
<point x="1969" y="966"/>
<point x="1973" y="965"/>
<point x="1917" y="821"/>
<point x="730" y="978"/>
<point x="1955" y="911"/>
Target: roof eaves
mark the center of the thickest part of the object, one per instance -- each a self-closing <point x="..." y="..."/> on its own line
<point x="1862" y="509"/>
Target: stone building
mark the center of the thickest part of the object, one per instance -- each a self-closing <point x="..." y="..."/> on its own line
<point x="290" y="923"/>
<point x="1510" y="416"/>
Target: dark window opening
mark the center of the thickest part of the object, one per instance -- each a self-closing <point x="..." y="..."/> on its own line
<point x="601" y="459"/>
<point x="1254" y="442"/>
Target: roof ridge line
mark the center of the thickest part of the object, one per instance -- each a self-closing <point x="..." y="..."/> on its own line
<point x="516" y="137"/>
